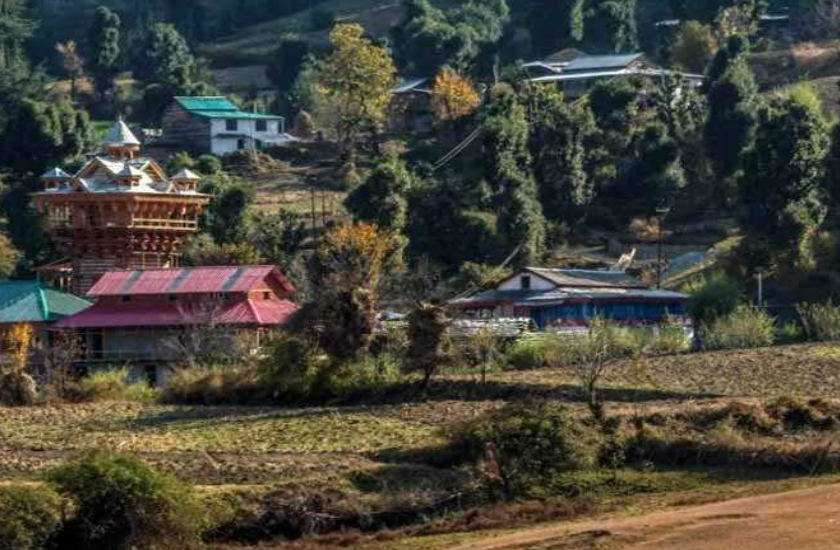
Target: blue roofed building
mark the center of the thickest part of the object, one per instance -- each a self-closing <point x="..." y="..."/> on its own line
<point x="568" y="299"/>
<point x="214" y="124"/>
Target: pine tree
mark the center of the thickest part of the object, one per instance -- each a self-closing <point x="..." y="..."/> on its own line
<point x="558" y="145"/>
<point x="780" y="184"/>
<point x="731" y="121"/>
<point x="104" y="48"/>
<point x="508" y="170"/>
<point x="611" y="26"/>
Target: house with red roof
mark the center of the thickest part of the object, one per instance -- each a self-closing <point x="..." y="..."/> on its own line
<point x="151" y="316"/>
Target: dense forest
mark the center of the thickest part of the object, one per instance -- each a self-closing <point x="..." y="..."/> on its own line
<point x="543" y="170"/>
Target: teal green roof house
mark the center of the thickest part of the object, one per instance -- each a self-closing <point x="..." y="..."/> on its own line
<point x="31" y="302"/>
<point x="214" y="124"/>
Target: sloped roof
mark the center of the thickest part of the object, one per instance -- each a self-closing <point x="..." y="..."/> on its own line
<point x="186" y="174"/>
<point x="241" y="312"/>
<point x="410" y="84"/>
<point x="30" y="302"/>
<point x="218" y="107"/>
<point x="55" y="174"/>
<point x="188" y="280"/>
<point x="130" y="171"/>
<point x="587" y="278"/>
<point x="601" y="62"/>
<point x="120" y="134"/>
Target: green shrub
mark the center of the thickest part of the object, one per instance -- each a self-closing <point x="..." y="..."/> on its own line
<point x="523" y="446"/>
<point x="214" y="385"/>
<point x="208" y="164"/>
<point x="528" y="354"/>
<point x="746" y="327"/>
<point x="789" y="333"/>
<point x="296" y="370"/>
<point x="713" y="297"/>
<point x="113" y="385"/>
<point x="180" y="161"/>
<point x="292" y="366"/>
<point x="668" y="338"/>
<point x="17" y="389"/>
<point x="820" y="321"/>
<point x="29" y="517"/>
<point x="121" y="502"/>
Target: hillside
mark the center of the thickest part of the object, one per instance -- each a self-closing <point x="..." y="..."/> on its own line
<point x="253" y="44"/>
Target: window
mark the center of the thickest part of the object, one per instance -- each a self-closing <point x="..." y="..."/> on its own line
<point x="262" y="126"/>
<point x="231" y="125"/>
<point x="241" y="144"/>
<point x="126" y="298"/>
<point x="266" y="295"/>
<point x="173" y="298"/>
<point x="525" y="282"/>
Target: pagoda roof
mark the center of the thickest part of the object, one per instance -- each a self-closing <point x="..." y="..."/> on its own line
<point x="186" y="174"/>
<point x="120" y="134"/>
<point x="131" y="171"/>
<point x="91" y="178"/>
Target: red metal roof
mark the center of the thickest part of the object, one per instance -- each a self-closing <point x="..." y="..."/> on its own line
<point x="241" y="312"/>
<point x="188" y="280"/>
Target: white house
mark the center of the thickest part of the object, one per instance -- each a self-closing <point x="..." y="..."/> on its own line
<point x="213" y="124"/>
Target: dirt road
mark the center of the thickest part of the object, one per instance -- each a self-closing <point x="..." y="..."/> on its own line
<point x="800" y="520"/>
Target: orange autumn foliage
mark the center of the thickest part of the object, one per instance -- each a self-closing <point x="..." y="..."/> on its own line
<point x="453" y="96"/>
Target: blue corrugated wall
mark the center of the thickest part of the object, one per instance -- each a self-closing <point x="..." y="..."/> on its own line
<point x="543" y="316"/>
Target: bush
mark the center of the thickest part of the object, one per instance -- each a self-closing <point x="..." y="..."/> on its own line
<point x="527" y="354"/>
<point x="123" y="503"/>
<point x="17" y="389"/>
<point x="29" y="517"/>
<point x="113" y="385"/>
<point x="746" y="327"/>
<point x="820" y="321"/>
<point x="215" y="385"/>
<point x="296" y="370"/>
<point x="209" y="165"/>
<point x="714" y="297"/>
<point x="524" y="446"/>
<point x="180" y="161"/>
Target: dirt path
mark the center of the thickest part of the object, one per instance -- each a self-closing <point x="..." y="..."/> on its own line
<point x="802" y="520"/>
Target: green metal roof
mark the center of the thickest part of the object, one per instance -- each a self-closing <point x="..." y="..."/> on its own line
<point x="218" y="107"/>
<point x="31" y="302"/>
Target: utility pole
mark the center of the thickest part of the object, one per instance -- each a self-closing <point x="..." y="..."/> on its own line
<point x="661" y="213"/>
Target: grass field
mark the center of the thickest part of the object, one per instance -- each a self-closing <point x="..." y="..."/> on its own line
<point x="367" y="453"/>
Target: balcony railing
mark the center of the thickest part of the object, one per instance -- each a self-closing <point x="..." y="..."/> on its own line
<point x="150" y="223"/>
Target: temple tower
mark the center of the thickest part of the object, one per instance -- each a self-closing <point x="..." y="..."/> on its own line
<point x="119" y="211"/>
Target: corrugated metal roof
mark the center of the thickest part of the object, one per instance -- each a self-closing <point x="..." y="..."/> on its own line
<point x="29" y="302"/>
<point x="219" y="107"/>
<point x="195" y="280"/>
<point x="206" y="103"/>
<point x="587" y="278"/>
<point x="242" y="312"/>
<point x="601" y="62"/>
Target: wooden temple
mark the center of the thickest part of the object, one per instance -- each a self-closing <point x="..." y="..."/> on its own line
<point x="119" y="211"/>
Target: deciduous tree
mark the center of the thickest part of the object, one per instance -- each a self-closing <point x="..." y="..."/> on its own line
<point x="453" y="96"/>
<point x="354" y="86"/>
